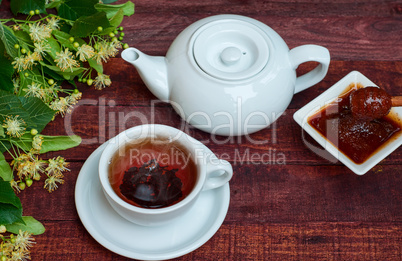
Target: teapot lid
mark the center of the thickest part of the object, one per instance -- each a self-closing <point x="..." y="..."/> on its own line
<point x="231" y="49"/>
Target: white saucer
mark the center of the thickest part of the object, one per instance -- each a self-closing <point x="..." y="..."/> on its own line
<point x="115" y="233"/>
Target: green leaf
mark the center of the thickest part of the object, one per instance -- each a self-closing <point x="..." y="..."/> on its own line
<point x="23" y="35"/>
<point x="10" y="214"/>
<point x="2" y="48"/>
<point x="86" y="25"/>
<point x="54" y="47"/>
<point x="2" y="131"/>
<point x="7" y="195"/>
<point x="56" y="143"/>
<point x="10" y="204"/>
<point x="94" y="64"/>
<point x="115" y="21"/>
<point x="109" y="1"/>
<point x="51" y="74"/>
<point x="69" y="75"/>
<point x="24" y="6"/>
<point x="38" y="111"/>
<point x="54" y="4"/>
<point x="74" y="9"/>
<point x="31" y="225"/>
<point x="6" y="74"/>
<point x="50" y="143"/>
<point x="6" y="173"/>
<point x="111" y="10"/>
<point x="54" y="68"/>
<point x="9" y="40"/>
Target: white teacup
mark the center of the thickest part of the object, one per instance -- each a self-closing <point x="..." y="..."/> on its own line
<point x="211" y="173"/>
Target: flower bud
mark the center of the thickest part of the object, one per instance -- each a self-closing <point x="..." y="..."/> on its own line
<point x="3" y="229"/>
<point x="22" y="185"/>
<point x="34" y="132"/>
<point x="29" y="182"/>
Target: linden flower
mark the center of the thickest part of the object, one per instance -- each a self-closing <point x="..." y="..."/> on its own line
<point x="113" y="48"/>
<point x="61" y="105"/>
<point x="51" y="182"/>
<point x="75" y="96"/>
<point x="38" y="32"/>
<point x="24" y="240"/>
<point x="50" y="92"/>
<point x="18" y="63"/>
<point x="101" y="54"/>
<point x="20" y="160"/>
<point x="43" y="94"/>
<point x="27" y="165"/>
<point x="37" y="142"/>
<point x="53" y="23"/>
<point x="85" y="52"/>
<point x="57" y="165"/>
<point x="14" y="126"/>
<point x="7" y="249"/>
<point x="33" y="90"/>
<point x="65" y="60"/>
<point x="41" y="48"/>
<point x="20" y="255"/>
<point x="106" y="50"/>
<point x="36" y="166"/>
<point x="30" y="60"/>
<point x="101" y="81"/>
<point x="23" y="168"/>
<point x="15" y="186"/>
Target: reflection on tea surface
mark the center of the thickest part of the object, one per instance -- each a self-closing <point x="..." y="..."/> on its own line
<point x="152" y="174"/>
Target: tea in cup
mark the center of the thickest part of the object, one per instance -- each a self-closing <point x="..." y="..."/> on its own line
<point x="152" y="174"/>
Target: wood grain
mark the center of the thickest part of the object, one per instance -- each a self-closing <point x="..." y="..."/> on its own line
<point x="237" y="241"/>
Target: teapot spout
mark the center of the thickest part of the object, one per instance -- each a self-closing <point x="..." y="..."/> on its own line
<point x="152" y="69"/>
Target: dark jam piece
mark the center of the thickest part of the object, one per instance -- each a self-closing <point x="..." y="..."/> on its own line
<point x="370" y="103"/>
<point x="151" y="185"/>
<point x="357" y="138"/>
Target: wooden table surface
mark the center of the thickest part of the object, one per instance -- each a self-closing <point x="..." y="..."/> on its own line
<point x="306" y="209"/>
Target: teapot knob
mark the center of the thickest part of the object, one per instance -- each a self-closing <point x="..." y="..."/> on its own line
<point x="230" y="55"/>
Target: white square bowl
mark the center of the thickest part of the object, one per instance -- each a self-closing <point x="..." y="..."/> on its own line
<point x="302" y="115"/>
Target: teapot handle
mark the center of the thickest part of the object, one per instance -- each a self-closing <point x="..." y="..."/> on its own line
<point x="309" y="53"/>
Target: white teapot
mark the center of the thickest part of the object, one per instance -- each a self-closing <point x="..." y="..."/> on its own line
<point x="229" y="74"/>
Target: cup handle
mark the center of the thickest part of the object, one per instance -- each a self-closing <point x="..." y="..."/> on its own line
<point x="219" y="172"/>
<point x="309" y="53"/>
